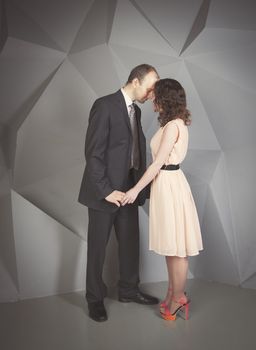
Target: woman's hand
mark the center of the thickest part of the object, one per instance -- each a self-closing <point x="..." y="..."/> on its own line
<point x="130" y="196"/>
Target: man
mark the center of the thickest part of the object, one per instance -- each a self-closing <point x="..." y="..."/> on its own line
<point x="115" y="152"/>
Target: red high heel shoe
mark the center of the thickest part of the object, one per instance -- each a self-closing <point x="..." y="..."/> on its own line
<point x="163" y="304"/>
<point x="183" y="308"/>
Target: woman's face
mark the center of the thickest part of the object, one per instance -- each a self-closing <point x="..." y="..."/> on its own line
<point x="156" y="106"/>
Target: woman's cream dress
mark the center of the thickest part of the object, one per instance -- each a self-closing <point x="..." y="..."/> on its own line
<point x="173" y="222"/>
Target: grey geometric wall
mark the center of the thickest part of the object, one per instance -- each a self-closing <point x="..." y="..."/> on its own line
<point x="56" y="58"/>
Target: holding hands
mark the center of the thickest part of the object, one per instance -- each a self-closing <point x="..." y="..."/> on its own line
<point x="120" y="198"/>
<point x="115" y="197"/>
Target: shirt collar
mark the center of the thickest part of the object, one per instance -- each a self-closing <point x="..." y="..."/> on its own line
<point x="128" y="100"/>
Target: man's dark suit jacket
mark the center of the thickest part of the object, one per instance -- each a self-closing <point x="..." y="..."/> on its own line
<point x="108" y="147"/>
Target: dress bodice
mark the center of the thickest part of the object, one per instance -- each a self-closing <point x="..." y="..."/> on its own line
<point x="179" y="150"/>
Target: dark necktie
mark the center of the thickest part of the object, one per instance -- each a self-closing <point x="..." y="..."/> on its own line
<point x="135" y="157"/>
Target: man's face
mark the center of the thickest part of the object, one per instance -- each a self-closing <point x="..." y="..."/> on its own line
<point x="145" y="90"/>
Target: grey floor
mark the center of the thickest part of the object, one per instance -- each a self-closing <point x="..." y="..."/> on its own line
<point x="222" y="317"/>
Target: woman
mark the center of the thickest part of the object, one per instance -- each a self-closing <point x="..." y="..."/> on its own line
<point x="174" y="227"/>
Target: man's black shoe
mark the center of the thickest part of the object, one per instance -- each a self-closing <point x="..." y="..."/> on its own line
<point x="97" y="311"/>
<point x="140" y="298"/>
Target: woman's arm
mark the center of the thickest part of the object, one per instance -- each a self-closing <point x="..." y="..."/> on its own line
<point x="168" y="140"/>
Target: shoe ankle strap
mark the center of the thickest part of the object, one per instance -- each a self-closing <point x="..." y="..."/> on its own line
<point x="182" y="300"/>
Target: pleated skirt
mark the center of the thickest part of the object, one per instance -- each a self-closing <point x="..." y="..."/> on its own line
<point x="174" y="228"/>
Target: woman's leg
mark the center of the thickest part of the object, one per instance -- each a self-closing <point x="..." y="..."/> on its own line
<point x="168" y="297"/>
<point x="178" y="271"/>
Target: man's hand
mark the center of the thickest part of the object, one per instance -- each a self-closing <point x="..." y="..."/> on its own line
<point x="130" y="196"/>
<point x="115" y="197"/>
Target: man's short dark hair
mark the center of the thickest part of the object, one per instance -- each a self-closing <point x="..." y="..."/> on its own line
<point x="140" y="71"/>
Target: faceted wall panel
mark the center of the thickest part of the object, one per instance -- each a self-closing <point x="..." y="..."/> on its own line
<point x="8" y="267"/>
<point x="56" y="58"/>
<point x="50" y="258"/>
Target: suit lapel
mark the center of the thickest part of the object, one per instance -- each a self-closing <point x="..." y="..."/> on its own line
<point x="122" y="105"/>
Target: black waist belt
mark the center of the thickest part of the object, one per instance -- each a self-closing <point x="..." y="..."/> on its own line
<point x="170" y="167"/>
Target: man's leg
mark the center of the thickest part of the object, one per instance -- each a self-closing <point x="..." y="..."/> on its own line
<point x="99" y="228"/>
<point x="127" y="231"/>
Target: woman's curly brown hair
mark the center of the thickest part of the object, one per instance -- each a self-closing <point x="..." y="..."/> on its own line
<point x="170" y="101"/>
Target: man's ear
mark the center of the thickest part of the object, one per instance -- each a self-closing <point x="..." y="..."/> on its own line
<point x="135" y="82"/>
